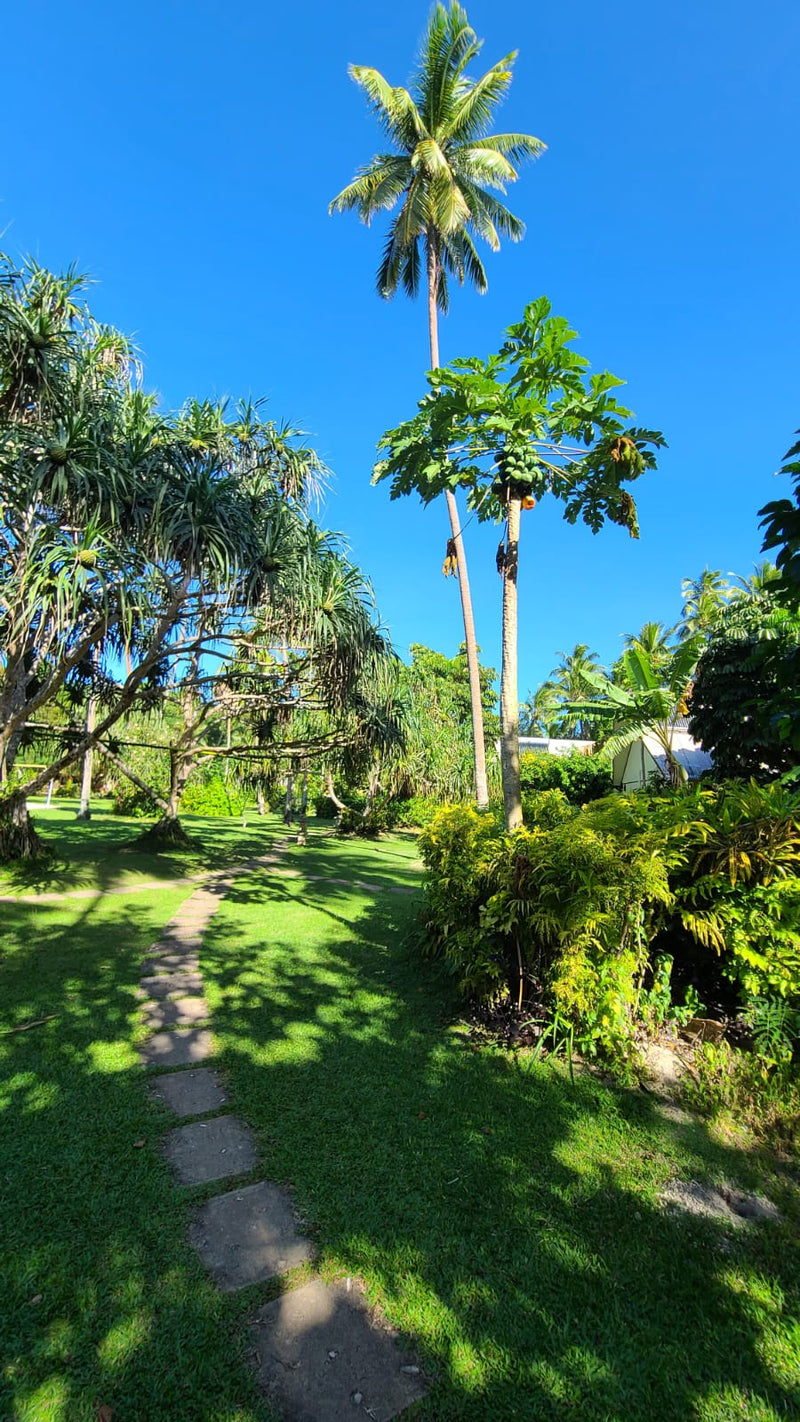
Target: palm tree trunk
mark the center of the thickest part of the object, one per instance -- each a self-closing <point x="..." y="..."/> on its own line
<point x="509" y="690"/>
<point x="476" y="704"/>
<point x="85" y="811"/>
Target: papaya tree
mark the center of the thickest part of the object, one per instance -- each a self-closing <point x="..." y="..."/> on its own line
<point x="527" y="423"/>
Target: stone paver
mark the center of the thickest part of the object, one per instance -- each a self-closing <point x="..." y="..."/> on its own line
<point x="249" y="1235"/>
<point x="210" y="1150"/>
<point x="179" y="936"/>
<point x="179" y="1048"/>
<point x="179" y="962"/>
<point x="175" y="1012"/>
<point x="172" y="985"/>
<point x="189" y="1093"/>
<point x="322" y="1357"/>
<point x="320" y="1352"/>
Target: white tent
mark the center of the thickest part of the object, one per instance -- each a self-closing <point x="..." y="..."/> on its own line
<point x="644" y="760"/>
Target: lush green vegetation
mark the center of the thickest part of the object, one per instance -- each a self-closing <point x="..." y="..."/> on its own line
<point x="503" y="1217"/>
<point x="178" y="637"/>
<point x="582" y="915"/>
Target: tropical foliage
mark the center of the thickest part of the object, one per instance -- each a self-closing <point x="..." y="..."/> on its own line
<point x="527" y="422"/>
<point x="147" y="557"/>
<point x="744" y="705"/>
<point x="571" y="915"/>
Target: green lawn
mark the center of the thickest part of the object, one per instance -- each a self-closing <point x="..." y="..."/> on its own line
<point x="505" y="1219"/>
<point x="103" y="854"/>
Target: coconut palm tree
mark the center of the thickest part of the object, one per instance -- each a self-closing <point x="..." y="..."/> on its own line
<point x="444" y="169"/>
<point x="704" y="597"/>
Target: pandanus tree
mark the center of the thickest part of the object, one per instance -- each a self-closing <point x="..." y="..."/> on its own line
<point x="526" y="423"/>
<point x="444" y="169"/>
<point x="314" y="679"/>
<point x="121" y="534"/>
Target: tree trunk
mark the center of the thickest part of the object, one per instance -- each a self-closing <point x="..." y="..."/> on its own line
<point x="302" y="819"/>
<point x="85" y="811"/>
<point x="18" y="838"/>
<point x="260" y="801"/>
<point x="287" y="801"/>
<point x="509" y="689"/>
<point x="338" y="804"/>
<point x="476" y="704"/>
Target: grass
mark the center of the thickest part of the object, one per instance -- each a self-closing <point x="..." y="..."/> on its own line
<point x="505" y="1220"/>
<point x="102" y="854"/>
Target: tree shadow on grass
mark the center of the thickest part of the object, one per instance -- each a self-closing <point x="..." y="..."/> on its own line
<point x="101" y="853"/>
<point x="506" y="1219"/>
<point x="104" y="1302"/>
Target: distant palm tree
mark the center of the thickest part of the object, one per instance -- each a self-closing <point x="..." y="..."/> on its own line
<point x="539" y="714"/>
<point x="704" y="597"/>
<point x="760" y="582"/>
<point x="444" y="169"/>
<point x="654" y="640"/>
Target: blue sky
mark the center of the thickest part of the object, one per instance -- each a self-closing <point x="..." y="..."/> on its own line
<point x="185" y="154"/>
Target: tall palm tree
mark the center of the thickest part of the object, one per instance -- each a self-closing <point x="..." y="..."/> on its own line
<point x="444" y="169"/>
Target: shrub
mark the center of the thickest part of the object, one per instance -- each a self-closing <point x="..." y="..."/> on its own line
<point x="576" y="909"/>
<point x="416" y="811"/>
<point x="214" y="798"/>
<point x="130" y="800"/>
<point x="734" y="852"/>
<point x="581" y="778"/>
<point x="557" y="911"/>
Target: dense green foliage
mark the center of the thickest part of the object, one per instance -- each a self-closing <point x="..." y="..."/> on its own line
<point x="435" y="760"/>
<point x="744" y="703"/>
<point x="781" y="523"/>
<point x="579" y="777"/>
<point x="572" y="912"/>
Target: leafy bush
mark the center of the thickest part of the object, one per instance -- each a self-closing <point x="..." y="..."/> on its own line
<point x="214" y="798"/>
<point x="581" y="778"/>
<point x="557" y="911"/>
<point x="734" y="852"/>
<point x="416" y="811"/>
<point x="574" y="910"/>
<point x="367" y="822"/>
<point x="130" y="800"/>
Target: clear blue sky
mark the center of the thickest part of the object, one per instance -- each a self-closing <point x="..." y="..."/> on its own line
<point x="185" y="154"/>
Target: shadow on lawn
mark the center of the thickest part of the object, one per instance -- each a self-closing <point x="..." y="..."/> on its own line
<point x="508" y="1219"/>
<point x="101" y="852"/>
<point x="104" y="1303"/>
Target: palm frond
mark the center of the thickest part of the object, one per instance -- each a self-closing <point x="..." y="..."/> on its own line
<point x="473" y="112"/>
<point x="375" y="188"/>
<point x="394" y="108"/>
<point x="517" y="147"/>
<point x="487" y="212"/>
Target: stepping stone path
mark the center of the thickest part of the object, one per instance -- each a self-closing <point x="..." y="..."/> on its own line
<point x="320" y="1353"/>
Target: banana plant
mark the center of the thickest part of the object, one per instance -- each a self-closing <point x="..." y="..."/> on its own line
<point x="647" y="697"/>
